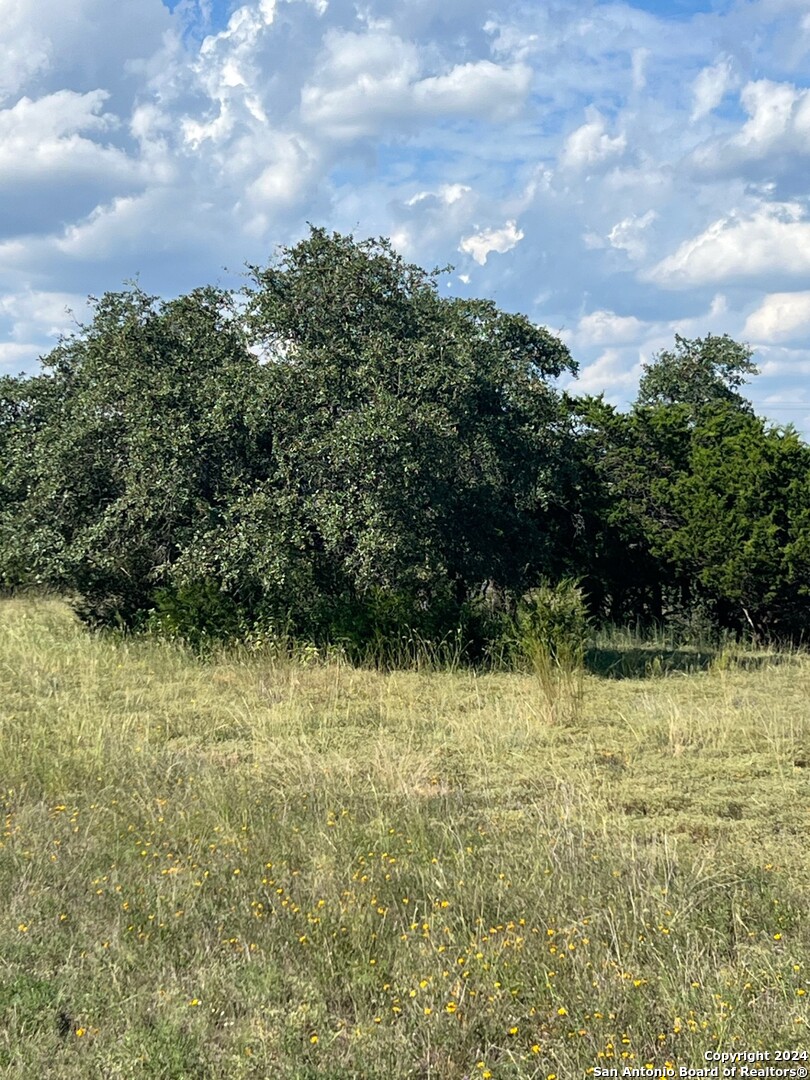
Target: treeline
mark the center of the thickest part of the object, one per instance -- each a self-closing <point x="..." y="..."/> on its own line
<point x="341" y="454"/>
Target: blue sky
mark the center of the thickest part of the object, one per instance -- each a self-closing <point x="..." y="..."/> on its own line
<point x="620" y="172"/>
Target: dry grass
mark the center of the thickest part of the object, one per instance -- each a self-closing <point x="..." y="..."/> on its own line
<point x="250" y="868"/>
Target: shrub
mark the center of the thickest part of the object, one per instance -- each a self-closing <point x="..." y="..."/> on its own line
<point x="551" y="630"/>
<point x="199" y="613"/>
<point x="552" y="624"/>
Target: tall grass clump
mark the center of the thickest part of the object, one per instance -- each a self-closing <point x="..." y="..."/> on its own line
<point x="551" y="636"/>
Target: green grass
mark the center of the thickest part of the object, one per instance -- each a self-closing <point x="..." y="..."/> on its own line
<point x="252" y="867"/>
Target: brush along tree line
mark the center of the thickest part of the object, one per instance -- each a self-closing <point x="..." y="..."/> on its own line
<point x="341" y="452"/>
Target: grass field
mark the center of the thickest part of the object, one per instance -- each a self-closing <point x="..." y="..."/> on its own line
<point x="254" y="867"/>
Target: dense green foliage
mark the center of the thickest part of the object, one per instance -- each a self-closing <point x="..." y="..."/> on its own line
<point x="696" y="511"/>
<point x="342" y="454"/>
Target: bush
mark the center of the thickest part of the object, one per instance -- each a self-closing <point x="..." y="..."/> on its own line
<point x="199" y="614"/>
<point x="552" y="625"/>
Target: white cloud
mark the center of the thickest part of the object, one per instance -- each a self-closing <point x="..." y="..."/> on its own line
<point x="481" y="244"/>
<point x="367" y="80"/>
<point x="363" y="80"/>
<point x="607" y="328"/>
<point x="43" y="139"/>
<point x="770" y="107"/>
<point x="780" y="317"/>
<point x="31" y="321"/>
<point x="35" y="315"/>
<point x="785" y="362"/>
<point x="479" y="89"/>
<point x="711" y="86"/>
<point x="15" y="356"/>
<point x="775" y="239"/>
<point x="640" y="59"/>
<point x="447" y="194"/>
<point x="80" y="46"/>
<point x="20" y="59"/>
<point x="614" y="372"/>
<point x="628" y="234"/>
<point x="133" y="140"/>
<point x="591" y="145"/>
<point x="778" y="126"/>
<point x="288" y="174"/>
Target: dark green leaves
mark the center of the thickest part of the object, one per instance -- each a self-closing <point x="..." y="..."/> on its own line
<point x="698" y="372"/>
<point x="344" y="453"/>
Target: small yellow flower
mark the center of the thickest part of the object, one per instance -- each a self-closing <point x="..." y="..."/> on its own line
<point x="562" y="1011"/>
<point x="536" y="1049"/>
<point x="23" y="928"/>
<point x="777" y="937"/>
<point x="80" y="1032"/>
<point x="313" y="1039"/>
<point x="513" y="1030"/>
<point x="194" y="1002"/>
<point x="450" y="1007"/>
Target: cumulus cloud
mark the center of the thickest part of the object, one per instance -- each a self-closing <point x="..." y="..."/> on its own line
<point x="291" y="164"/>
<point x="630" y="170"/>
<point x="780" y="317"/>
<point x="45" y="135"/>
<point x="50" y="45"/>
<point x="31" y="321"/>
<point x="482" y="244"/>
<point x="773" y="109"/>
<point x="608" y="328"/>
<point x="773" y="240"/>
<point x="15" y="357"/>
<point x="370" y="79"/>
<point x="614" y="371"/>
<point x="447" y="194"/>
<point x="775" y="136"/>
<point x="590" y="145"/>
<point x="482" y="89"/>
<point x="711" y="86"/>
<point x="628" y="234"/>
<point x="36" y="314"/>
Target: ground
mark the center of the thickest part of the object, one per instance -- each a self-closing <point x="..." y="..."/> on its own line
<point x="253" y="865"/>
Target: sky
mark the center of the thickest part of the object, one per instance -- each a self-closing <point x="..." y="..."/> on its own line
<point x="619" y="172"/>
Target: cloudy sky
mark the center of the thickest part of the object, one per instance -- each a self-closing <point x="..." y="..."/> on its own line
<point x="620" y="172"/>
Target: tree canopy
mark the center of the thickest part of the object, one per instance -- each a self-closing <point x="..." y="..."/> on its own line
<point x="698" y="372"/>
<point x="340" y="448"/>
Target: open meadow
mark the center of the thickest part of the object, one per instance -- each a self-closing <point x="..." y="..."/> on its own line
<point x="257" y="866"/>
